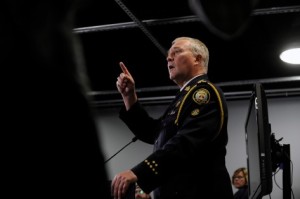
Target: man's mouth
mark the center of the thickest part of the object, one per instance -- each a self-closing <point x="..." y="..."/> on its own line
<point x="171" y="67"/>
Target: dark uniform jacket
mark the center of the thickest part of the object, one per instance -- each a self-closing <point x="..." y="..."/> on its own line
<point x="242" y="193"/>
<point x="189" y="140"/>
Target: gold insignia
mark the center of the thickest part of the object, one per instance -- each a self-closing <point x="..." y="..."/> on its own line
<point x="187" y="88"/>
<point x="152" y="164"/>
<point x="201" y="96"/>
<point x="195" y="112"/>
<point x="172" y="112"/>
<point x="202" y="81"/>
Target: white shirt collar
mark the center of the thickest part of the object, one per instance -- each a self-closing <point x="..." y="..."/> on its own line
<point x="188" y="82"/>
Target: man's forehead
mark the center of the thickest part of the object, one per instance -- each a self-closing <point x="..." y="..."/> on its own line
<point x="179" y="44"/>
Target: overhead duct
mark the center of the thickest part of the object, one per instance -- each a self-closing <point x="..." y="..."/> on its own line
<point x="224" y="18"/>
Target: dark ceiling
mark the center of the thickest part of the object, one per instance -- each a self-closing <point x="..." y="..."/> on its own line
<point x="138" y="32"/>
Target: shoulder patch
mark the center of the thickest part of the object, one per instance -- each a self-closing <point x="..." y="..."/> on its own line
<point x="201" y="96"/>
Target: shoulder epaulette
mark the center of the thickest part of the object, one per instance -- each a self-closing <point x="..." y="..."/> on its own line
<point x="191" y="91"/>
<point x="185" y="97"/>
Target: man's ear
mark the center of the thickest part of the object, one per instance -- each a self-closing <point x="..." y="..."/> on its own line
<point x="198" y="58"/>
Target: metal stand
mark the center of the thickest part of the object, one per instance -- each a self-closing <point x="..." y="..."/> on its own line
<point x="286" y="174"/>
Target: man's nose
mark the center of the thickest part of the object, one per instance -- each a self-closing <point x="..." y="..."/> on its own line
<point x="169" y="58"/>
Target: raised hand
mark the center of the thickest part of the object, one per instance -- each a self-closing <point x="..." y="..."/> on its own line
<point x="126" y="86"/>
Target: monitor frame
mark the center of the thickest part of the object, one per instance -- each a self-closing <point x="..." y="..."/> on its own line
<point x="258" y="144"/>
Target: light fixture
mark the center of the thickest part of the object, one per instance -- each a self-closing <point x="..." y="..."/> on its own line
<point x="291" y="56"/>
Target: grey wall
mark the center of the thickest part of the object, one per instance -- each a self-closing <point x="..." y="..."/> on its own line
<point x="284" y="116"/>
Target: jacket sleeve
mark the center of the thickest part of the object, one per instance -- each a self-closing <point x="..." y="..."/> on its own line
<point x="140" y="123"/>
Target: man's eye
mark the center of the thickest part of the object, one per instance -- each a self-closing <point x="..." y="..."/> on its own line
<point x="177" y="51"/>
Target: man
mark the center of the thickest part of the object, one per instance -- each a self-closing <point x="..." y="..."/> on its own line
<point x="189" y="139"/>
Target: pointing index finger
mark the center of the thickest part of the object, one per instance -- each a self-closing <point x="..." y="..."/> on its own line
<point x="124" y="69"/>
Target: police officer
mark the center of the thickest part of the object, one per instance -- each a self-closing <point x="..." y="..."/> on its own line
<point x="189" y="139"/>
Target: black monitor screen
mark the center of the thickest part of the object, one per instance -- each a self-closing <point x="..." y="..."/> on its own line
<point x="258" y="139"/>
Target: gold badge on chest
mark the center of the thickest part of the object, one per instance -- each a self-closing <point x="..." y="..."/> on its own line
<point x="195" y="112"/>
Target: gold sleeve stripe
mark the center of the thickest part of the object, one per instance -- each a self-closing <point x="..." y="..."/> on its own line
<point x="182" y="103"/>
<point x="221" y="108"/>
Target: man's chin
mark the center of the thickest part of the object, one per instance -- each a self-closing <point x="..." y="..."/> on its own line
<point x="172" y="77"/>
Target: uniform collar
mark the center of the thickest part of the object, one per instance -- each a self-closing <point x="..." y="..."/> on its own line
<point x="193" y="80"/>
